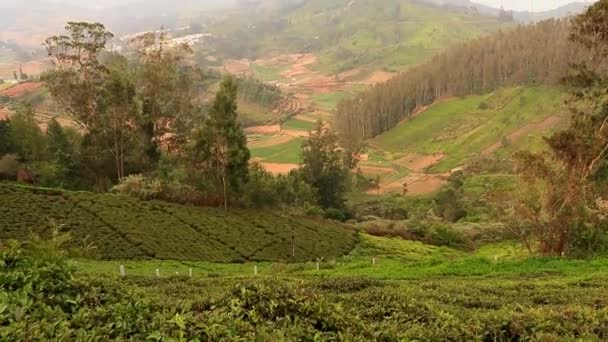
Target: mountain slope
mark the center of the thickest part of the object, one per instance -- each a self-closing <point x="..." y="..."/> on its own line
<point x="526" y="17"/>
<point x="346" y="34"/>
<point x="124" y="228"/>
<point x="458" y="129"/>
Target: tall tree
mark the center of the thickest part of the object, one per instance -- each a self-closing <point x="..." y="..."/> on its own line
<point x="121" y="114"/>
<point x="221" y="145"/>
<point x="26" y="136"/>
<point x="323" y="167"/>
<point x="562" y="208"/>
<point x="168" y="89"/>
<point x="77" y="83"/>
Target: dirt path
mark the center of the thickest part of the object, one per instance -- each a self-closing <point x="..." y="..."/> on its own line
<point x="419" y="162"/>
<point x="279" y="169"/>
<point x="20" y="89"/>
<point x="275" y="140"/>
<point x="547" y="123"/>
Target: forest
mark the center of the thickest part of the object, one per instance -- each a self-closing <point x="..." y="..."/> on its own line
<point x="534" y="54"/>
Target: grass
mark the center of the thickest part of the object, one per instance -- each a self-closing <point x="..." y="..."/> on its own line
<point x="395" y="259"/>
<point x="299" y="125"/>
<point x="269" y="73"/>
<point x="288" y="153"/>
<point x="252" y="114"/>
<point x="5" y="86"/>
<point x="125" y="228"/>
<point x="390" y="35"/>
<point x="329" y="102"/>
<point x="460" y="129"/>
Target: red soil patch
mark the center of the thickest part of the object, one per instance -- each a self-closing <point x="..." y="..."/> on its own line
<point x="21" y="89"/>
<point x="348" y="74"/>
<point x="547" y="123"/>
<point x="419" y="162"/>
<point x="276" y="140"/>
<point x="4" y="113"/>
<point x="268" y="129"/>
<point x="379" y="77"/>
<point x="237" y="66"/>
<point x="427" y="185"/>
<point x="417" y="184"/>
<point x="376" y="171"/>
<point x="295" y="133"/>
<point x="279" y="169"/>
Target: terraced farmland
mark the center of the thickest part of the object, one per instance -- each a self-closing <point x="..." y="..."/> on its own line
<point x="124" y="228"/>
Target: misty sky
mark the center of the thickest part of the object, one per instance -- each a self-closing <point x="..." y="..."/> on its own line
<point x="518" y="5"/>
<point x="527" y="5"/>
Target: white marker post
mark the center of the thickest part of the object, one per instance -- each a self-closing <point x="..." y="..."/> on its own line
<point x="157" y="273"/>
<point x="255" y="270"/>
<point x="190" y="272"/>
<point x="373" y="261"/>
<point x="318" y="266"/>
<point x="122" y="271"/>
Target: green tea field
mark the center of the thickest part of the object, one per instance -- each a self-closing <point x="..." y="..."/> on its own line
<point x="124" y="228"/>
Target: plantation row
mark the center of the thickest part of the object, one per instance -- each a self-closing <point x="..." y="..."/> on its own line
<point x="124" y="228"/>
<point x="530" y="307"/>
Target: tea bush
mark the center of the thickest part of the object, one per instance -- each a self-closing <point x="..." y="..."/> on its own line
<point x="122" y="227"/>
<point x="42" y="297"/>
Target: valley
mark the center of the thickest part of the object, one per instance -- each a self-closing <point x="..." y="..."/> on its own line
<point x="303" y="170"/>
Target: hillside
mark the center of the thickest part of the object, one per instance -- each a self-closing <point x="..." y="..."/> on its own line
<point x="422" y="150"/>
<point x="124" y="228"/>
<point x="526" y="17"/>
<point x="348" y="34"/>
<point x="527" y="55"/>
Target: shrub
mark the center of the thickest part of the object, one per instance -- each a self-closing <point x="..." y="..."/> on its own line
<point x="9" y="166"/>
<point x="146" y="188"/>
<point x="139" y="186"/>
<point x="483" y="106"/>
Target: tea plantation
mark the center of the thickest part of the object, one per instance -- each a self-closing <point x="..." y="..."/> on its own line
<point x="120" y="227"/>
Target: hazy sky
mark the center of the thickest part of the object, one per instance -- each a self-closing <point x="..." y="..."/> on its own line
<point x="518" y="5"/>
<point x="527" y="5"/>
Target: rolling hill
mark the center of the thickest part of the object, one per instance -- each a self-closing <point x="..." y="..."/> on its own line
<point x="348" y="34"/>
<point x="525" y="17"/>
<point x="450" y="134"/>
<point x="124" y="228"/>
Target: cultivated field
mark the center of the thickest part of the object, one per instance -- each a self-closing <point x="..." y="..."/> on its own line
<point x="122" y="227"/>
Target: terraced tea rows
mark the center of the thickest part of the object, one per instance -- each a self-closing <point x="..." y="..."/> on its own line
<point x="124" y="228"/>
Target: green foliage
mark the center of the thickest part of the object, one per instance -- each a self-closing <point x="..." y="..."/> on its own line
<point x="322" y="167"/>
<point x="122" y="228"/>
<point x="390" y="35"/>
<point x="457" y="128"/>
<point x="221" y="146"/>
<point x="505" y="59"/>
<point x="448" y="200"/>
<point x="26" y="136"/>
<point x="288" y="152"/>
<point x="258" y="92"/>
<point x="46" y="298"/>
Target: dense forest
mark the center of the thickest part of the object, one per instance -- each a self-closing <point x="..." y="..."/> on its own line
<point x="535" y="54"/>
<point x="258" y="92"/>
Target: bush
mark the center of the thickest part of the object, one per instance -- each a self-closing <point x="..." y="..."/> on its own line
<point x="146" y="189"/>
<point x="336" y="214"/>
<point x="140" y="187"/>
<point x="390" y="208"/>
<point x="9" y="166"/>
<point x="389" y="229"/>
